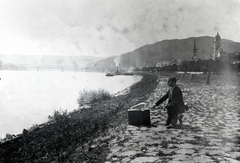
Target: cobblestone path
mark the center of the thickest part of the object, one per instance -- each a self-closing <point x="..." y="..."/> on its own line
<point x="209" y="133"/>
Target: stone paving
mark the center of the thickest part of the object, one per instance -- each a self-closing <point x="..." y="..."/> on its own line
<point x="209" y="133"/>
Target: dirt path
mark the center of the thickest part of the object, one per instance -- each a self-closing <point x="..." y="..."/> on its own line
<point x="210" y="131"/>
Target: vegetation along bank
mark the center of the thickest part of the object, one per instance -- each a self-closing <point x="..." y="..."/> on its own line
<point x="79" y="136"/>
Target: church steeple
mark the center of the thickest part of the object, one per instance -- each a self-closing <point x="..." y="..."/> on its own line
<point x="194" y="53"/>
<point x="217" y="46"/>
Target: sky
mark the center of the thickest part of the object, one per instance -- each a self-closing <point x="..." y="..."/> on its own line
<point x="106" y="28"/>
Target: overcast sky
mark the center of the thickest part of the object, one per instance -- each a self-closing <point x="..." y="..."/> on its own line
<point x="109" y="27"/>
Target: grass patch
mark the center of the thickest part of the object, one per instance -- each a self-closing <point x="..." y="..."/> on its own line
<point x="89" y="97"/>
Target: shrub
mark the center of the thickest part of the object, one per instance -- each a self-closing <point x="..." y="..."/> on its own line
<point x="58" y="115"/>
<point x="92" y="96"/>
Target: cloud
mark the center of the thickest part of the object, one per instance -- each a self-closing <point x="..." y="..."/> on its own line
<point x="101" y="38"/>
<point x="109" y="27"/>
<point x="76" y="43"/>
<point x="180" y="9"/>
<point x="99" y="28"/>
<point x="165" y="27"/>
<point x="125" y="31"/>
<point x="216" y="28"/>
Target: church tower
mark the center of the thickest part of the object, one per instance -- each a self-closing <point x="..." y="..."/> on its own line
<point x="217" y="46"/>
<point x="194" y="53"/>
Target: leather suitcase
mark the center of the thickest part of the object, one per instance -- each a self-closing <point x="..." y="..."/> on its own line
<point x="139" y="116"/>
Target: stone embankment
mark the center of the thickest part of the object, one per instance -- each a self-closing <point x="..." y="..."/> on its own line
<point x="209" y="133"/>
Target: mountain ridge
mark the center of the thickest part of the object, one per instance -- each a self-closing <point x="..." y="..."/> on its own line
<point x="166" y="51"/>
<point x="50" y="60"/>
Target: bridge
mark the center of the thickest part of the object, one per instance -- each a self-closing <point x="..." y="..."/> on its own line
<point x="47" y="67"/>
<point x="54" y="68"/>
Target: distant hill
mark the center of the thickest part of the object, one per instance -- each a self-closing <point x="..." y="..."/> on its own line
<point x="48" y="60"/>
<point x="166" y="50"/>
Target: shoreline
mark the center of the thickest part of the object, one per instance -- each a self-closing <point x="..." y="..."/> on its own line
<point x="35" y="104"/>
<point x="115" y="105"/>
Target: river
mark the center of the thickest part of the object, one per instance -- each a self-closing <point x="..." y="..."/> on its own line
<point x="28" y="97"/>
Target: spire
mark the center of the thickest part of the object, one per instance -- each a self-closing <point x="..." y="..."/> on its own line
<point x="217" y="46"/>
<point x="194" y="53"/>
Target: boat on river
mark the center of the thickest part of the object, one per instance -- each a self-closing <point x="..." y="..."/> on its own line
<point x="110" y="74"/>
<point x="128" y="73"/>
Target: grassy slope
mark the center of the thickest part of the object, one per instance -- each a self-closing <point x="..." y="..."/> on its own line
<point x="72" y="137"/>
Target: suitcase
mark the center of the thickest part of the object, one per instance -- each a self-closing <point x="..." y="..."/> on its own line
<point x="138" y="115"/>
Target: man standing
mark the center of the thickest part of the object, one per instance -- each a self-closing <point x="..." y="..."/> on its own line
<point x="175" y="103"/>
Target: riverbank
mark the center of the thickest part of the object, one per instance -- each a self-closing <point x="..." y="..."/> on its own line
<point x="81" y="135"/>
<point x="28" y="97"/>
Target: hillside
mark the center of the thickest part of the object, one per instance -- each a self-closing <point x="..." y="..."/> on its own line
<point x="48" y="60"/>
<point x="166" y="50"/>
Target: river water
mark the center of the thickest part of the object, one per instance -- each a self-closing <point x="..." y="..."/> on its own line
<point x="28" y="97"/>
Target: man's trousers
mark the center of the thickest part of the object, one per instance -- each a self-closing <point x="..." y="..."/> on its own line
<point x="172" y="115"/>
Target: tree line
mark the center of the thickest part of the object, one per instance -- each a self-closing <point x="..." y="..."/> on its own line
<point x="7" y="66"/>
<point x="199" y="65"/>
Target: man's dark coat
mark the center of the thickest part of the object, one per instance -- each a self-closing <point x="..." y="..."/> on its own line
<point x="176" y="101"/>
